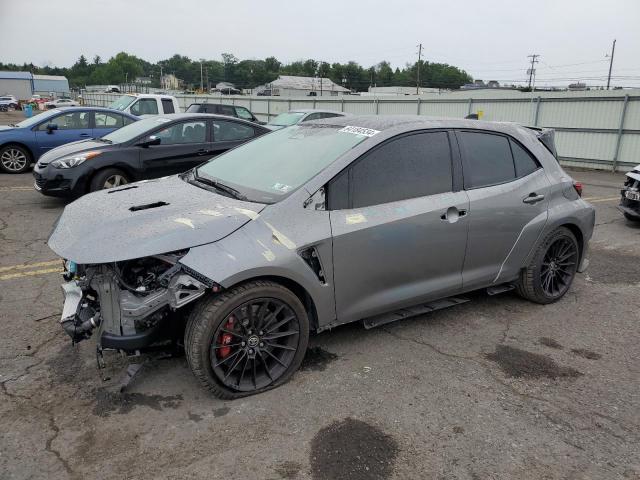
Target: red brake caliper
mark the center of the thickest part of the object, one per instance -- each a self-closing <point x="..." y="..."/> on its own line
<point x="225" y="339"/>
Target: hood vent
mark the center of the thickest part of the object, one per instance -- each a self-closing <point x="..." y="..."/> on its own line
<point x="147" y="206"/>
<point x="121" y="189"/>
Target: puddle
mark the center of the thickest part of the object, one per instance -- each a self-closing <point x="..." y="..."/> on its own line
<point x="520" y="363"/>
<point x="221" y="412"/>
<point x="108" y="402"/>
<point x="352" y="450"/>
<point x="612" y="266"/>
<point x="583" y="352"/>
<point x="317" y="359"/>
<point x="550" y="342"/>
<point x="288" y="469"/>
<point x="194" y="417"/>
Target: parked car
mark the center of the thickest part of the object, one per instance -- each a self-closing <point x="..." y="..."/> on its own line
<point x="630" y="196"/>
<point x="23" y="143"/>
<point x="317" y="225"/>
<point x="153" y="147"/>
<point x="294" y="117"/>
<point x="227" y="110"/>
<point x="61" y="102"/>
<point x="112" y="89"/>
<point x="8" y="101"/>
<point x="146" y="104"/>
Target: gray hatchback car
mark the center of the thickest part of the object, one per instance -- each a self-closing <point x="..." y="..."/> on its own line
<point x="369" y="219"/>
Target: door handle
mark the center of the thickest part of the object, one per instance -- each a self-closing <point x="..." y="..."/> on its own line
<point x="452" y="215"/>
<point x="84" y="134"/>
<point x="533" y="198"/>
<point x="202" y="152"/>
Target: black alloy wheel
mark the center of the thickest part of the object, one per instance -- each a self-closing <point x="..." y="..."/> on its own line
<point x="558" y="267"/>
<point x="255" y="344"/>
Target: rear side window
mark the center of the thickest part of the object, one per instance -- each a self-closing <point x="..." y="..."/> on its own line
<point x="230" y="131"/>
<point x="524" y="162"/>
<point x="226" y="110"/>
<point x="244" y="113"/>
<point x="411" y="166"/>
<point x="167" y="105"/>
<point x="487" y="159"/>
<point x="194" y="108"/>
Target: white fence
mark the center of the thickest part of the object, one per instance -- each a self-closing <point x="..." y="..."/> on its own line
<point x="592" y="131"/>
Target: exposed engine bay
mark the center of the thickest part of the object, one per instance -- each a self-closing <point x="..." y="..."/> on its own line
<point x="126" y="302"/>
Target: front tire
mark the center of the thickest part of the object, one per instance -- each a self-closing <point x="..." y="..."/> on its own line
<point x="552" y="269"/>
<point x="14" y="159"/>
<point x="631" y="218"/>
<point x="108" y="178"/>
<point x="247" y="340"/>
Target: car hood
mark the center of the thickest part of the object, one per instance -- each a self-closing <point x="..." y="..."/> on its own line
<point x="634" y="173"/>
<point x="146" y="218"/>
<point x="73" y="147"/>
<point x="6" y="127"/>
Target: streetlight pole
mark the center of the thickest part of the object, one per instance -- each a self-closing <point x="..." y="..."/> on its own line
<point x="613" y="51"/>
<point x="418" y="77"/>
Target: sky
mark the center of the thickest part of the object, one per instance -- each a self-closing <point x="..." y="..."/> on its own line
<point x="490" y="39"/>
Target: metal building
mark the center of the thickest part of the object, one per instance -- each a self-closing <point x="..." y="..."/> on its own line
<point x="291" y="86"/>
<point x="18" y="84"/>
<point x="46" y="84"/>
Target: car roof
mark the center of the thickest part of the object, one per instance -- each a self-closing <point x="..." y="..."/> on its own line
<point x="413" y="122"/>
<point x="314" y="110"/>
<point x="180" y="116"/>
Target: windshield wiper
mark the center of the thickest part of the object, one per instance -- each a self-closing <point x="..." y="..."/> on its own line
<point x="103" y="140"/>
<point x="232" y="192"/>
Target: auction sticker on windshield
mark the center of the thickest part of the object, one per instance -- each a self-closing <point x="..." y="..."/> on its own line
<point x="367" y="132"/>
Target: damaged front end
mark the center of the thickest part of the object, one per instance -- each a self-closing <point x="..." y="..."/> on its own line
<point x="630" y="195"/>
<point x="128" y="303"/>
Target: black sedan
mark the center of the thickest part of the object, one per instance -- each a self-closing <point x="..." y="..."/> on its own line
<point x="150" y="148"/>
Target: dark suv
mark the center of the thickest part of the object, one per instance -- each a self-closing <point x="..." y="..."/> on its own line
<point x="228" y="110"/>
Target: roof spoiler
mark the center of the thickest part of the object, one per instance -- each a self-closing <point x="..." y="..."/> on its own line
<point x="547" y="137"/>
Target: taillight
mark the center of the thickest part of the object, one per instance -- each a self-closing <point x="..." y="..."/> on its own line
<point x="578" y="188"/>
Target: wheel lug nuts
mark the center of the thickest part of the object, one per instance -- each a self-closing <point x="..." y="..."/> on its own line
<point x="243" y="343"/>
<point x="261" y="344"/>
<point x="251" y="351"/>
<point x="260" y="332"/>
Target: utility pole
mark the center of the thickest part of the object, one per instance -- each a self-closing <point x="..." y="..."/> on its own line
<point x="161" y="79"/>
<point x="532" y="70"/>
<point x="201" y="84"/>
<point x="613" y="50"/>
<point x="418" y="77"/>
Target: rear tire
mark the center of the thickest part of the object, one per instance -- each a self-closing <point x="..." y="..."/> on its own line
<point x="552" y="269"/>
<point x="108" y="178"/>
<point x="267" y="330"/>
<point x="14" y="159"/>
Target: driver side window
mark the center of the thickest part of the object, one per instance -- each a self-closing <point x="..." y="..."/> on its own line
<point x="145" y="106"/>
<point x="68" y="121"/>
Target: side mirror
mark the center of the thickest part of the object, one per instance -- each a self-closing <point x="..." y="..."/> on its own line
<point x="149" y="141"/>
<point x="51" y="127"/>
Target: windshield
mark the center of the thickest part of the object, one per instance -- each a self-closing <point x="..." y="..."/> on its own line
<point x="272" y="166"/>
<point x="31" y="121"/>
<point x="123" y="102"/>
<point x="135" y="129"/>
<point x="286" y="119"/>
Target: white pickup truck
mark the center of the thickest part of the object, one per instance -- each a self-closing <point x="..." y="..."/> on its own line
<point x="145" y="104"/>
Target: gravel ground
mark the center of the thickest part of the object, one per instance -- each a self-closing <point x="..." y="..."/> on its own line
<point x="497" y="388"/>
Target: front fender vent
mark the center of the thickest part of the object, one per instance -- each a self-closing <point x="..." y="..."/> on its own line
<point x="311" y="258"/>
